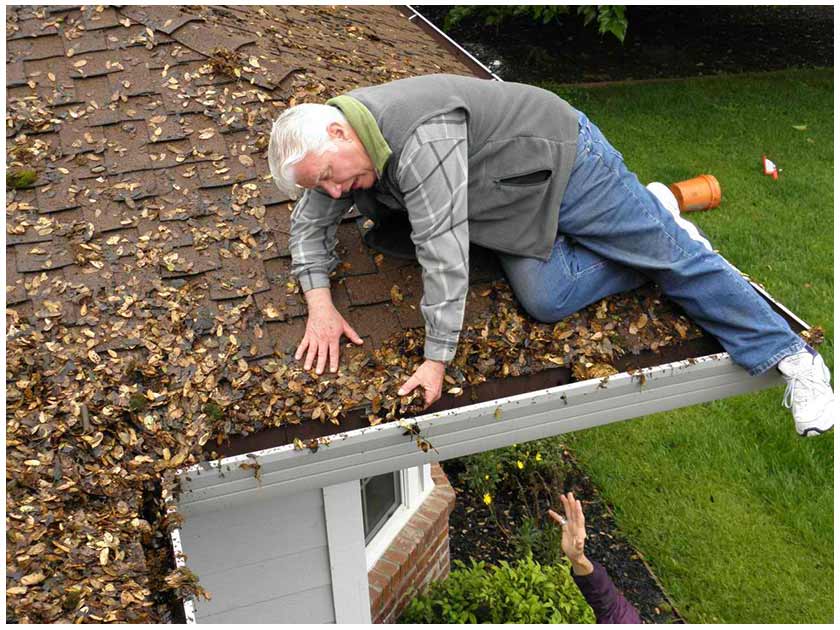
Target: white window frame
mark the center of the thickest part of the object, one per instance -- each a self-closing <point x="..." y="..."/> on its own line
<point x="416" y="484"/>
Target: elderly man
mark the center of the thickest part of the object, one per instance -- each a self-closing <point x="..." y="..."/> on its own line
<point x="516" y="169"/>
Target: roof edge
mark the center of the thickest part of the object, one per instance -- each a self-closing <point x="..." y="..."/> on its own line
<point x="478" y="68"/>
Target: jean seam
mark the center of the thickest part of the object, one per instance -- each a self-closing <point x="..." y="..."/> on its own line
<point x="762" y="367"/>
<point x="641" y="206"/>
<point x="590" y="269"/>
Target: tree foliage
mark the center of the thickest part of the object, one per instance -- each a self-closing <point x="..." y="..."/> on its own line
<point x="608" y="18"/>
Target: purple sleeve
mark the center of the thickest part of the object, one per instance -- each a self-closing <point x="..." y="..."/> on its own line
<point x="606" y="600"/>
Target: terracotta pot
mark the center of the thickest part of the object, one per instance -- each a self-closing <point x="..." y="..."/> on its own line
<point x="699" y="193"/>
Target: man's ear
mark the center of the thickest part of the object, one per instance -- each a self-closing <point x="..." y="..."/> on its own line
<point x="337" y="131"/>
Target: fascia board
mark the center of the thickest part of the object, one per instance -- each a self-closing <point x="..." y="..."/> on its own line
<point x="470" y="429"/>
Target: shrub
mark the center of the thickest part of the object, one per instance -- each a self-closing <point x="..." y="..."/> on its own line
<point x="609" y="18"/>
<point x="540" y="538"/>
<point x="532" y="469"/>
<point x="526" y="592"/>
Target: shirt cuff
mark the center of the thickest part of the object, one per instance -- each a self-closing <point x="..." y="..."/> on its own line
<point x="313" y="280"/>
<point x="439" y="350"/>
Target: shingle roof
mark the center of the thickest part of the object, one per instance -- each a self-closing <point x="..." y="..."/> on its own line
<point x="150" y="310"/>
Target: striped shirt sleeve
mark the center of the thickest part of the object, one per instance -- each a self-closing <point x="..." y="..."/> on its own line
<point x="432" y="176"/>
<point x="312" y="242"/>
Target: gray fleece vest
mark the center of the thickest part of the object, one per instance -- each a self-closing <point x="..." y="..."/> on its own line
<point x="522" y="145"/>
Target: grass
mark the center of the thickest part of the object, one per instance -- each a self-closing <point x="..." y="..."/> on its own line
<point x="731" y="508"/>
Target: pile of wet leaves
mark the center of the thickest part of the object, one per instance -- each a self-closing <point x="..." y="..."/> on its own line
<point x="89" y="437"/>
<point x="500" y="341"/>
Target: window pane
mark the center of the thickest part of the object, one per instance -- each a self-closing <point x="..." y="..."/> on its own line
<point x="381" y="496"/>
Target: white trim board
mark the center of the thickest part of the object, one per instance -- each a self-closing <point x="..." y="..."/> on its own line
<point x="485" y="426"/>
<point x="346" y="544"/>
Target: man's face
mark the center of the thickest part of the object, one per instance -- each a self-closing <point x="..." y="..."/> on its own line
<point x="347" y="167"/>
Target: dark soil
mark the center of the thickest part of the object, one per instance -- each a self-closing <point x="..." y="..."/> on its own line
<point x="475" y="534"/>
<point x="661" y="41"/>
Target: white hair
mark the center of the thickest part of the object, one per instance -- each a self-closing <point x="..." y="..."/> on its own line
<point x="299" y="130"/>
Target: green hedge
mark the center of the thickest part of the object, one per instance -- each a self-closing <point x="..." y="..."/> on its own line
<point x="526" y="592"/>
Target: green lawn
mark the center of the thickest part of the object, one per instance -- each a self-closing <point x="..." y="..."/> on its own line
<point x="731" y="508"/>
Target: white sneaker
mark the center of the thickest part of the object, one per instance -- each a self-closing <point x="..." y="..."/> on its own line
<point x="670" y="203"/>
<point x="808" y="394"/>
<point x="665" y="196"/>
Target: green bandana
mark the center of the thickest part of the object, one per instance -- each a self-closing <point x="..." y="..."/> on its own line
<point x="365" y="126"/>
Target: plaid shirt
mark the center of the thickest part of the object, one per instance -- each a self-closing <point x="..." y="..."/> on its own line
<point x="432" y="175"/>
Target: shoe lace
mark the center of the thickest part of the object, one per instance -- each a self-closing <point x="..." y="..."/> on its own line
<point x="798" y="387"/>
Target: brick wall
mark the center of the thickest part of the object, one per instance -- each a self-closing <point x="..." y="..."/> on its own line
<point x="418" y="554"/>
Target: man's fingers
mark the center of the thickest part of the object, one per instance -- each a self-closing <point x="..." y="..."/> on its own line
<point x="352" y="335"/>
<point x="408" y="387"/>
<point x="311" y="353"/>
<point x="334" y="356"/>
<point x="301" y="347"/>
<point x="429" y="396"/>
<point x="322" y="358"/>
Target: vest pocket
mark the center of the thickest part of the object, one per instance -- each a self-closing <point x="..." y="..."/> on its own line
<point x="526" y="179"/>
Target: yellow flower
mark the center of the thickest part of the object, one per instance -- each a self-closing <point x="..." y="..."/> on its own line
<point x="487" y="476"/>
<point x="487" y="498"/>
<point x="520" y="465"/>
<point x="538" y="457"/>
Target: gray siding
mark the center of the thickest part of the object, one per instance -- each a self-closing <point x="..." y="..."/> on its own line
<point x="264" y="559"/>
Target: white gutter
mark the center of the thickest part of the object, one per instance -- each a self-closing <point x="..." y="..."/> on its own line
<point x="466" y="430"/>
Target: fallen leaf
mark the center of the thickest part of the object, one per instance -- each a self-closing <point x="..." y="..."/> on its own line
<point x="33" y="578"/>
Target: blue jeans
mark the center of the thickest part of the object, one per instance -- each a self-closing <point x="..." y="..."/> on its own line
<point x="614" y="235"/>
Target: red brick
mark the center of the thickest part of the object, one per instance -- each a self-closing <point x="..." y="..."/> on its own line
<point x="380" y="582"/>
<point x="411" y="533"/>
<point x="375" y="595"/>
<point x="440" y="545"/>
<point x="410" y="576"/>
<point x="435" y="503"/>
<point x="418" y="555"/>
<point x="421" y="523"/>
<point x="426" y="558"/>
<point x="403" y="543"/>
<point x="428" y="513"/>
<point x="397" y="556"/>
<point x="447" y="494"/>
<point x="387" y="569"/>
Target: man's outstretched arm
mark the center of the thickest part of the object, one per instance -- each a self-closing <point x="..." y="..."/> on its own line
<point x="433" y="178"/>
<point x="312" y="245"/>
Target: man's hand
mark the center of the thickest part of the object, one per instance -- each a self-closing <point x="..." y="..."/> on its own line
<point x="429" y="376"/>
<point x="324" y="328"/>
<point x="574" y="533"/>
